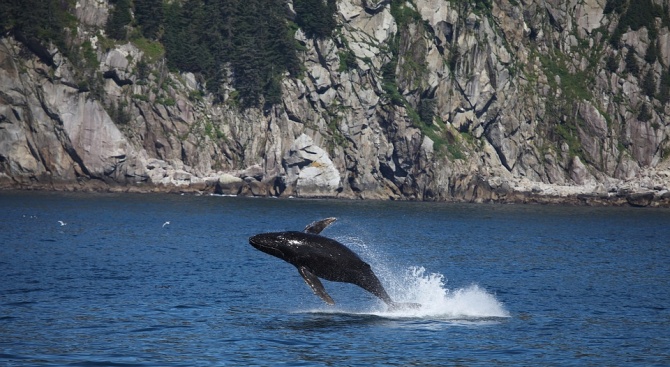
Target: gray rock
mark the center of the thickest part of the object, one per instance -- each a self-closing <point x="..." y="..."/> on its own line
<point x="310" y="169"/>
<point x="522" y="94"/>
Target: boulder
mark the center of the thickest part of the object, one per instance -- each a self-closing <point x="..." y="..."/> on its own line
<point x="310" y="169"/>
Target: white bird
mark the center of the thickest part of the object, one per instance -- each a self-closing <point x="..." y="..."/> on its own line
<point x="62" y="223"/>
<point x="166" y="223"/>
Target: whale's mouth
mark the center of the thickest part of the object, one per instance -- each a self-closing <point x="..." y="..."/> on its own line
<point x="266" y="242"/>
<point x="258" y="242"/>
<point x="255" y="241"/>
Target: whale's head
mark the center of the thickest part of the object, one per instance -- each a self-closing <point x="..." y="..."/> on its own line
<point x="287" y="245"/>
<point x="274" y="243"/>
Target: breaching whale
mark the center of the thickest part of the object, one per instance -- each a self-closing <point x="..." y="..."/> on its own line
<point x="317" y="256"/>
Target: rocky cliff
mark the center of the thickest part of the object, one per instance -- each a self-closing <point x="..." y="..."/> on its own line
<point x="502" y="101"/>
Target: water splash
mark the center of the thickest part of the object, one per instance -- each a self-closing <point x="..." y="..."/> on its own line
<point x="437" y="301"/>
<point x="416" y="285"/>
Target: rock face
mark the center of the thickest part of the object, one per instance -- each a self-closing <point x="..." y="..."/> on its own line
<point x="309" y="169"/>
<point x="524" y="101"/>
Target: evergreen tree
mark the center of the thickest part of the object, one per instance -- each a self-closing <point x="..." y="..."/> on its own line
<point x="183" y="34"/>
<point x="142" y="70"/>
<point x="171" y="31"/>
<point x="316" y="17"/>
<point x="198" y="58"/>
<point x="615" y="6"/>
<point x="248" y="76"/>
<point x="631" y="63"/>
<point x="213" y="39"/>
<point x="278" y="46"/>
<point x="149" y="16"/>
<point x="172" y="39"/>
<point x="635" y="15"/>
<point x="251" y="38"/>
<point x="279" y="52"/>
<point x="645" y="113"/>
<point x="118" y="19"/>
<point x="649" y="84"/>
<point x="664" y="89"/>
<point x="228" y="11"/>
<point x="612" y="64"/>
<point x="652" y="53"/>
<point x="34" y="19"/>
<point x="7" y="9"/>
<point x="426" y="110"/>
<point x="615" y="38"/>
<point x="33" y="22"/>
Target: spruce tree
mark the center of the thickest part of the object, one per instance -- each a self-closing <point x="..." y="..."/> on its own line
<point x="250" y="38"/>
<point x="149" y="16"/>
<point x="649" y="84"/>
<point x="247" y="62"/>
<point x="35" y="19"/>
<point x="652" y="53"/>
<point x="615" y="6"/>
<point x="118" y="20"/>
<point x="631" y="63"/>
<point x="7" y="18"/>
<point x="316" y="17"/>
<point x="612" y="64"/>
<point x="172" y="33"/>
<point x="645" y="113"/>
<point x="664" y="89"/>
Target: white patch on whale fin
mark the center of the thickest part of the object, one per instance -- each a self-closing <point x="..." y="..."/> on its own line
<point x="320" y="225"/>
<point x="314" y="283"/>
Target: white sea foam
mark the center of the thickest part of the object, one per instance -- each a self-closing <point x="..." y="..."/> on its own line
<point x="438" y="301"/>
<point x="416" y="285"/>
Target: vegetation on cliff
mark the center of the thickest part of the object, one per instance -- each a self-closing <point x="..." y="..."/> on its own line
<point x="35" y="22"/>
<point x="249" y="44"/>
<point x="413" y="95"/>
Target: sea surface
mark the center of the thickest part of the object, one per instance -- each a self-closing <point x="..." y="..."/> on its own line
<point x="117" y="285"/>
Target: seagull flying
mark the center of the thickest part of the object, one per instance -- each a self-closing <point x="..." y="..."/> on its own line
<point x="166" y="223"/>
<point x="62" y="223"/>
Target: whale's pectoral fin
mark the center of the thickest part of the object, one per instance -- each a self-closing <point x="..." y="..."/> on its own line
<point x="318" y="226"/>
<point x="314" y="283"/>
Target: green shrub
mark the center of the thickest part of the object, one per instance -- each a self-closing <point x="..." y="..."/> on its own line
<point x="574" y="85"/>
<point x="140" y="97"/>
<point x="153" y="50"/>
<point x="166" y="101"/>
<point x="389" y="85"/>
<point x="90" y="57"/>
<point x="347" y="61"/>
<point x="404" y="14"/>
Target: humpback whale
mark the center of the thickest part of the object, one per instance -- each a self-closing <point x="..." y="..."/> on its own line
<point x="316" y="256"/>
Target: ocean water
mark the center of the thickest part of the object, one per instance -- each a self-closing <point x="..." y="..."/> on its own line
<point x="498" y="284"/>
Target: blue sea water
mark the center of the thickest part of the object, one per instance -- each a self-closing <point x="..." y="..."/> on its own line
<point x="499" y="284"/>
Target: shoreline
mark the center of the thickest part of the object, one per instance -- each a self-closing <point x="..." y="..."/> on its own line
<point x="647" y="199"/>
